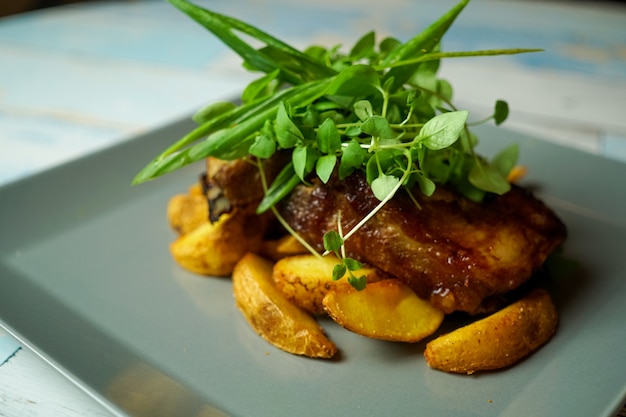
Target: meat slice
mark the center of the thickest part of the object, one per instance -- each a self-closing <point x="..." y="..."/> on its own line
<point x="451" y="250"/>
<point x="237" y="183"/>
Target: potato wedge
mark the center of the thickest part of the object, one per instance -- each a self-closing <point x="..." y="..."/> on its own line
<point x="305" y="279"/>
<point x="387" y="310"/>
<point x="496" y="341"/>
<point x="214" y="248"/>
<point x="280" y="248"/>
<point x="186" y="212"/>
<point x="272" y="316"/>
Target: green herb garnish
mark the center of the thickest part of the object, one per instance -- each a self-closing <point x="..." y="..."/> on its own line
<point x="379" y="108"/>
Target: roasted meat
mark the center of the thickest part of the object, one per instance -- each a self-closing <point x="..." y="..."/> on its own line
<point x="453" y="251"/>
<point x="457" y="253"/>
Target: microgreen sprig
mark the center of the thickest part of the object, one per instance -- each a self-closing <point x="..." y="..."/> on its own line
<point x="380" y="109"/>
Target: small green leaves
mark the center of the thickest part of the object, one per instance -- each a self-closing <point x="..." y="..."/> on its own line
<point x="303" y="158"/>
<point x="488" y="178"/>
<point x="211" y="111"/>
<point x="339" y="271"/>
<point x="264" y="145"/>
<point x="352" y="158"/>
<point x="380" y="110"/>
<point x="384" y="185"/>
<point x="287" y="133"/>
<point x="356" y="81"/>
<point x="501" y="112"/>
<point x="364" y="48"/>
<point x="325" y="166"/>
<point x="333" y="243"/>
<point x="363" y="110"/>
<point x="378" y="126"/>
<point x="506" y="159"/>
<point x="328" y="137"/>
<point x="443" y="130"/>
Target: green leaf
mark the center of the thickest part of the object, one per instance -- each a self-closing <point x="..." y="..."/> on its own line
<point x="388" y="45"/>
<point x="259" y="88"/>
<point x="423" y="43"/>
<point x="501" y="111"/>
<point x="212" y="111"/>
<point x="352" y="158"/>
<point x="506" y="159"/>
<point x="332" y="241"/>
<point x="443" y="130"/>
<point x="356" y="81"/>
<point x="488" y="178"/>
<point x="353" y="131"/>
<point x="288" y="134"/>
<point x="325" y="166"/>
<point x="328" y="137"/>
<point x="223" y="26"/>
<point x="364" y="47"/>
<point x="352" y="264"/>
<point x="358" y="283"/>
<point x="303" y="158"/>
<point x="363" y="109"/>
<point x="382" y="161"/>
<point x="339" y="271"/>
<point x="378" y="126"/>
<point x="283" y="184"/>
<point x="264" y="145"/>
<point x="427" y="186"/>
<point x="384" y="185"/>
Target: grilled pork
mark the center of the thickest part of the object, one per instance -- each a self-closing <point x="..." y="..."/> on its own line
<point x="457" y="253"/>
<point x="449" y="249"/>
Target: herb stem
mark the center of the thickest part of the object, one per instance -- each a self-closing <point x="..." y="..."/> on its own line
<point x="380" y="205"/>
<point x="280" y="218"/>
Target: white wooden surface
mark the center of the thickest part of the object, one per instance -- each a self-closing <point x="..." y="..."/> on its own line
<point x="81" y="77"/>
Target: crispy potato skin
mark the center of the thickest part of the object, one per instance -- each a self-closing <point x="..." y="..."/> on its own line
<point x="186" y="212"/>
<point x="276" y="249"/>
<point x="214" y="248"/>
<point x="387" y="310"/>
<point x="272" y="316"/>
<point x="305" y="279"/>
<point x="498" y="340"/>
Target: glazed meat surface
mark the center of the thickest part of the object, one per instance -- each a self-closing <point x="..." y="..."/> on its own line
<point x="450" y="250"/>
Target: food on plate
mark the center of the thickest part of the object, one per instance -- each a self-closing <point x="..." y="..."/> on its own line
<point x="452" y="251"/>
<point x="213" y="248"/>
<point x="186" y="212"/>
<point x="281" y="247"/>
<point x="498" y="340"/>
<point x="306" y="279"/>
<point x="272" y="316"/>
<point x="347" y="183"/>
<point x="387" y="310"/>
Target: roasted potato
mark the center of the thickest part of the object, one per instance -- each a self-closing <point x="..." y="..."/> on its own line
<point x="497" y="341"/>
<point x="387" y="310"/>
<point x="274" y="317"/>
<point x="276" y="249"/>
<point x="305" y="279"/>
<point x="215" y="248"/>
<point x="186" y="212"/>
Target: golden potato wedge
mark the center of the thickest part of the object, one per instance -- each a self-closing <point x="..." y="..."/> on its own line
<point x="496" y="341"/>
<point x="274" y="317"/>
<point x="186" y="212"/>
<point x="305" y="279"/>
<point x="276" y="249"/>
<point x="387" y="310"/>
<point x="214" y="248"/>
<point x="196" y="189"/>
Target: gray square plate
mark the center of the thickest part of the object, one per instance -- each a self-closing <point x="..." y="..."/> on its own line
<point x="87" y="281"/>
